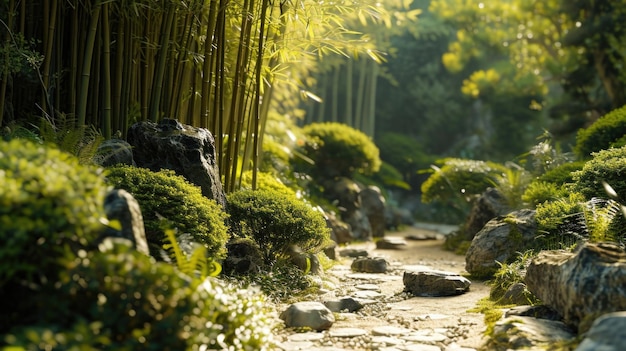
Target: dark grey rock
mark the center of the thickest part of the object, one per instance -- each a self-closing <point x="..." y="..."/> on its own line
<point x="370" y="265"/>
<point x="243" y="257"/>
<point x="121" y="206"/>
<point x="354" y="253"/>
<point x="391" y="244"/>
<point x="500" y="240"/>
<point x="490" y="204"/>
<point x="435" y="283"/>
<point x="516" y="294"/>
<point x="347" y="304"/>
<point x="186" y="150"/>
<point x="580" y="285"/>
<point x="606" y="334"/>
<point x="113" y="152"/>
<point x="308" y="314"/>
<point x="340" y="231"/>
<point x="373" y="205"/>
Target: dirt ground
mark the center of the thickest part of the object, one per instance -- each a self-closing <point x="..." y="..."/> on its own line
<point x="444" y="315"/>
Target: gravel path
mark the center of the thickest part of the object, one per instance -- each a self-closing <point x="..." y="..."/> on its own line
<point x="391" y="319"/>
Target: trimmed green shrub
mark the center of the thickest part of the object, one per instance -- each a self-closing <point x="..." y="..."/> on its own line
<point x="266" y="181"/>
<point x="276" y="223"/>
<point x="562" y="174"/>
<point x="119" y="299"/>
<point x="460" y="178"/>
<point x="561" y="223"/>
<point x="539" y="192"/>
<point x="166" y="195"/>
<point x="49" y="203"/>
<point x="606" y="166"/>
<point x="338" y="150"/>
<point x="403" y="153"/>
<point x="602" y="134"/>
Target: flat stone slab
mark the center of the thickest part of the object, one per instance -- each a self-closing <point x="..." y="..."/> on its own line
<point x="305" y="337"/>
<point x="391" y="244"/>
<point x="425" y="337"/>
<point x="434" y="283"/>
<point x="372" y="287"/>
<point x="346" y="332"/>
<point x="389" y="330"/>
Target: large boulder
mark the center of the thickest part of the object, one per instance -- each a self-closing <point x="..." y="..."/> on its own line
<point x="373" y="205"/>
<point x="188" y="151"/>
<point x="580" y="285"/>
<point x="528" y="333"/>
<point x="489" y="205"/>
<point x="499" y="241"/>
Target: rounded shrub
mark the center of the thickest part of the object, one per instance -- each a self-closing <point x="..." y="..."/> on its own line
<point x="539" y="192"/>
<point x="606" y="167"/>
<point x="460" y="178"/>
<point x="339" y="150"/>
<point x="119" y="299"/>
<point x="562" y="174"/>
<point x="276" y="223"/>
<point x="602" y="134"/>
<point x="49" y="204"/>
<point x="166" y="195"/>
<point x="561" y="223"/>
<point x="266" y="181"/>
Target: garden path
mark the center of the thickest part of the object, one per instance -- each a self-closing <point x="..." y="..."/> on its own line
<point x="391" y="319"/>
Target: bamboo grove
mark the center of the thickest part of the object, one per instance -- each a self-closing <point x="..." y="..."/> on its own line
<point x="214" y="64"/>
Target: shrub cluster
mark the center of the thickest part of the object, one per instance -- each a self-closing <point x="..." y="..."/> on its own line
<point x="337" y="150"/>
<point x="276" y="222"/>
<point x="602" y="134"/>
<point x="166" y="195"/>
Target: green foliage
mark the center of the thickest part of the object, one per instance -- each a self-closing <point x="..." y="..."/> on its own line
<point x="511" y="184"/>
<point x="509" y="274"/>
<point x="460" y="178"/>
<point x="338" y="150"/>
<point x="403" y="153"/>
<point x="602" y="134"/>
<point x="48" y="203"/>
<point x="119" y="299"/>
<point x="606" y="166"/>
<point x="539" y="192"/>
<point x="266" y="181"/>
<point x="562" y="174"/>
<point x="276" y="222"/>
<point x="389" y="176"/>
<point x="166" y="195"/>
<point x="561" y="223"/>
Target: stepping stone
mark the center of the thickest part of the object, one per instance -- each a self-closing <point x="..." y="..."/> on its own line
<point x="366" y="294"/>
<point x="391" y="244"/>
<point x="386" y="340"/>
<point x="425" y="337"/>
<point x="370" y="265"/>
<point x="295" y="345"/>
<point x="419" y="347"/>
<point x="346" y="332"/>
<point x="305" y="337"/>
<point x="435" y="283"/>
<point x="457" y="347"/>
<point x="373" y="277"/>
<point x="431" y="316"/>
<point x="425" y="236"/>
<point x="389" y="330"/>
<point x="372" y="287"/>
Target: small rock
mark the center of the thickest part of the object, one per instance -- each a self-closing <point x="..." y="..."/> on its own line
<point x="391" y="244"/>
<point x="528" y="333"/>
<point x="308" y="314"/>
<point x="435" y="283"/>
<point x="345" y="304"/>
<point x="538" y="311"/>
<point x="425" y="236"/>
<point x="370" y="265"/>
<point x="353" y="253"/>
<point x="373" y="287"/>
<point x="516" y="294"/>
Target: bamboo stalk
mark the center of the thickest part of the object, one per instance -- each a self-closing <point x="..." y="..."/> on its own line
<point x="86" y="69"/>
<point x="50" y="17"/>
<point x="106" y="73"/>
<point x="162" y="55"/>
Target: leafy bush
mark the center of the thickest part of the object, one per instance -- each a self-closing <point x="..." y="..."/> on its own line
<point x="166" y="195"/>
<point x="276" y="222"/>
<point x="338" y="151"/>
<point x="606" y="167"/>
<point x="562" y="174"/>
<point x="509" y="274"/>
<point x="539" y="192"/>
<point x="49" y="203"/>
<point x="460" y="178"/>
<point x="605" y="131"/>
<point x="119" y="299"/>
<point x="266" y="181"/>
<point x="561" y="223"/>
<point x="403" y="153"/>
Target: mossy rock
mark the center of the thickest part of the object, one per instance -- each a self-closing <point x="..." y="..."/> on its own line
<point x="166" y="195"/>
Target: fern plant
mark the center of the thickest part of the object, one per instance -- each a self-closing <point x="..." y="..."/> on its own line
<point x="190" y="258"/>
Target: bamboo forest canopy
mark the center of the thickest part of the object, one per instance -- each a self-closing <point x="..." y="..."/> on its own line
<point x="216" y="64"/>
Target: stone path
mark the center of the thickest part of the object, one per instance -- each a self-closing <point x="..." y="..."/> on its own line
<point x="392" y="320"/>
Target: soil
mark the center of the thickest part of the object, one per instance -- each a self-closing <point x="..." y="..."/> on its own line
<point x="393" y="319"/>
